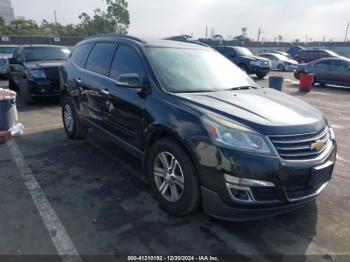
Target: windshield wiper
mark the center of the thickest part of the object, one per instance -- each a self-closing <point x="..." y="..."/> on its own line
<point x="242" y="88"/>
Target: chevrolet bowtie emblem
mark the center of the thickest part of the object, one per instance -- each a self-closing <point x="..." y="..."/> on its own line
<point x="318" y="145"/>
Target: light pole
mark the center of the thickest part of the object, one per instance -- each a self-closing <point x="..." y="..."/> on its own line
<point x="346" y="32"/>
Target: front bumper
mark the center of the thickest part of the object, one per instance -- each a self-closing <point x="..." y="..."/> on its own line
<point x="293" y="185"/>
<point x="44" y="88"/>
<point x="254" y="69"/>
<point x="3" y="70"/>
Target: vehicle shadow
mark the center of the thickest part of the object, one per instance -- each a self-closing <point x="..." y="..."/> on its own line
<point x="39" y="103"/>
<point x="99" y="192"/>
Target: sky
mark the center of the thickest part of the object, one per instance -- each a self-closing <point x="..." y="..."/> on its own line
<point x="291" y="19"/>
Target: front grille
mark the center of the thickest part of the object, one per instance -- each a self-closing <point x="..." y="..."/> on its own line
<point x="302" y="146"/>
<point x="52" y="73"/>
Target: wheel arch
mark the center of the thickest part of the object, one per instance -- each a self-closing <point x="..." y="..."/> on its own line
<point x="158" y="132"/>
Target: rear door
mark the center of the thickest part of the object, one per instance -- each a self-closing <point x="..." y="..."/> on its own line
<point x="340" y="72"/>
<point x="95" y="82"/>
<point x="322" y="71"/>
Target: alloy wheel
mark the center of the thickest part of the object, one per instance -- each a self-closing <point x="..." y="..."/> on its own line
<point x="68" y="117"/>
<point x="168" y="176"/>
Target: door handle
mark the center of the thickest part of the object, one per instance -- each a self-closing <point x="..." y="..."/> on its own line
<point x="78" y="80"/>
<point x="105" y="92"/>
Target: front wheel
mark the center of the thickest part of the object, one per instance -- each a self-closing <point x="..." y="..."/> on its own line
<point x="25" y="92"/>
<point x="261" y="75"/>
<point x="173" y="178"/>
<point x="75" y="130"/>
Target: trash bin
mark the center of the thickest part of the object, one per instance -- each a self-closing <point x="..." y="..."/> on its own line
<point x="306" y="82"/>
<point x="276" y="82"/>
<point x="8" y="110"/>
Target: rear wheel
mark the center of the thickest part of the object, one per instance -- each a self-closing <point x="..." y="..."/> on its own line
<point x="173" y="178"/>
<point x="281" y="67"/>
<point x="25" y="92"/>
<point x="75" y="130"/>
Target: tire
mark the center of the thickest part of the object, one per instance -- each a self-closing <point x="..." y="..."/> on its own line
<point x="75" y="130"/>
<point x="12" y="84"/>
<point x="187" y="199"/>
<point x="281" y="67"/>
<point x="244" y="68"/>
<point x="260" y="76"/>
<point x="25" y="92"/>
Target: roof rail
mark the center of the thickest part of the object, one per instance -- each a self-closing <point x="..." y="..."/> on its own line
<point x="121" y="36"/>
<point x="190" y="41"/>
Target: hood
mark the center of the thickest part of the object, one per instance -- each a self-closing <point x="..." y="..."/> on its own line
<point x="254" y="57"/>
<point x="6" y="56"/>
<point x="291" y="61"/>
<point x="43" y="64"/>
<point x="265" y="110"/>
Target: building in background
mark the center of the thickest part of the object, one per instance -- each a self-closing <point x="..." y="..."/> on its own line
<point x="6" y="11"/>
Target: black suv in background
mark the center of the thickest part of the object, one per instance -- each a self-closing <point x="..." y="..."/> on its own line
<point x="246" y="60"/>
<point x="34" y="70"/>
<point x="207" y="134"/>
<point x="309" y="55"/>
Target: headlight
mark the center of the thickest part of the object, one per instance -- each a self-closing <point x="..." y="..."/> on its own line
<point x="38" y="73"/>
<point x="256" y="62"/>
<point x="331" y="133"/>
<point x="232" y="135"/>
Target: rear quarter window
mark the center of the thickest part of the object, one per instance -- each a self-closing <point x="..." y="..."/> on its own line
<point x="81" y="53"/>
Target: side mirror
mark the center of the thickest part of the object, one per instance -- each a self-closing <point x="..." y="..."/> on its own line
<point x="13" y="61"/>
<point x="130" y="81"/>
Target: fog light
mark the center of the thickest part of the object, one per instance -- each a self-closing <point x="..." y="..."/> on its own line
<point x="240" y="193"/>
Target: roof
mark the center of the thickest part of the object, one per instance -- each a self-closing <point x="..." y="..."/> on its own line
<point x="150" y="42"/>
<point x="42" y="46"/>
<point x="8" y="45"/>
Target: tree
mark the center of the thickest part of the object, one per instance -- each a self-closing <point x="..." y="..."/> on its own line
<point x="279" y="38"/>
<point x="114" y="20"/>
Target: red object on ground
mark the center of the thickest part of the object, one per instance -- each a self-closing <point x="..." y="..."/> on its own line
<point x="5" y="136"/>
<point x="306" y="82"/>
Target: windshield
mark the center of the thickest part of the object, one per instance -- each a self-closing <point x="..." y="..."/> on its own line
<point x="242" y="51"/>
<point x="45" y="53"/>
<point x="7" y="50"/>
<point x="194" y="70"/>
<point x="280" y="57"/>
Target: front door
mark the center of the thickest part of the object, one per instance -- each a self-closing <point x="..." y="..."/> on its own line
<point x="125" y="105"/>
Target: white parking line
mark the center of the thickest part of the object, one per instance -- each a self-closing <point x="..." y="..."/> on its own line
<point x="54" y="226"/>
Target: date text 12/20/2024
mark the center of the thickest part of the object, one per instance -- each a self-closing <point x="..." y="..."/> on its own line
<point x="173" y="258"/>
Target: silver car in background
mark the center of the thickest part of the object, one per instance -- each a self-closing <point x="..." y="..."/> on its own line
<point x="280" y="62"/>
<point x="327" y="71"/>
<point x="6" y="52"/>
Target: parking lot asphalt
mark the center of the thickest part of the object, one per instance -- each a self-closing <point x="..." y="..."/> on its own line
<point x="98" y="192"/>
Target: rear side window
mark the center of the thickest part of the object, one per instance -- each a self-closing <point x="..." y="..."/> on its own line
<point x="81" y="53"/>
<point x="126" y="61"/>
<point x="100" y="58"/>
